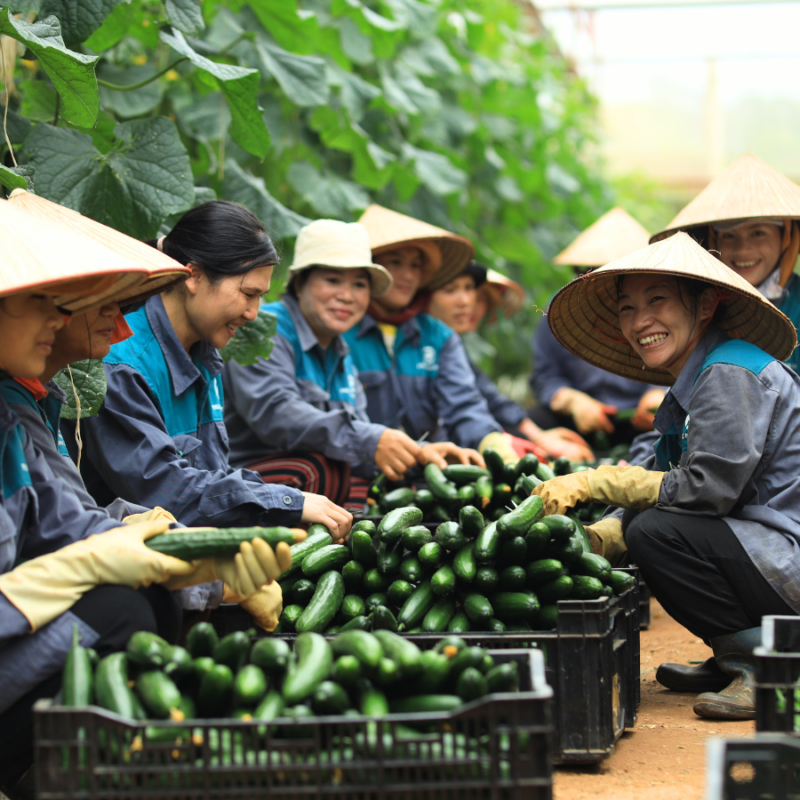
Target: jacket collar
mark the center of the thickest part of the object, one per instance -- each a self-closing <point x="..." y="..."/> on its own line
<point x="410" y="329"/>
<point x="182" y="369"/>
<point x="308" y="339"/>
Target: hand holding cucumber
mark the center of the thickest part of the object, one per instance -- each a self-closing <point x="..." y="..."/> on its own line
<point x="317" y="508"/>
<point x="444" y="453"/>
<point x="396" y="454"/>
<point x="589" y="414"/>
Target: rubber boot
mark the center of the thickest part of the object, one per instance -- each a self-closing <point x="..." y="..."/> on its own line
<point x="705" y="677"/>
<point x="734" y="656"/>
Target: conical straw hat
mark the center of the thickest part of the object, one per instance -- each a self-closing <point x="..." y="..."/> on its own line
<point x="162" y="271"/>
<point x="583" y="315"/>
<point x="446" y="254"/>
<point x="613" y="236"/>
<point x="53" y="257"/>
<point x="747" y="189"/>
<point x="503" y="293"/>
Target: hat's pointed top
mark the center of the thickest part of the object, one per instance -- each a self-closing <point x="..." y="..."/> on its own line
<point x="748" y="188"/>
<point x="612" y="236"/>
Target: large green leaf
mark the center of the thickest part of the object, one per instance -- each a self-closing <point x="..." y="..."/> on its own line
<point x="90" y="388"/>
<point x="17" y="177"/>
<point x="135" y="103"/>
<point x="146" y="177"/>
<point x="252" y="341"/>
<point x="385" y="33"/>
<point x="329" y="194"/>
<point x="71" y="73"/>
<point x="38" y="100"/>
<point x="294" y="29"/>
<point x="185" y="15"/>
<point x="17" y="126"/>
<point x="302" y="78"/>
<point x="115" y="26"/>
<point x="436" y="171"/>
<point x="79" y="18"/>
<point x="240" y="87"/>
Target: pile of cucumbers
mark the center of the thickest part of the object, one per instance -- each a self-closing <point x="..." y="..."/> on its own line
<point x="467" y="575"/>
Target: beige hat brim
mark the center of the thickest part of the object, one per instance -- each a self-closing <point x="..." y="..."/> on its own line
<point x="380" y="279"/>
<point x="584" y="314"/>
<point x="612" y="236"/>
<point x="445" y="255"/>
<point x="748" y="189"/>
<point x="503" y="293"/>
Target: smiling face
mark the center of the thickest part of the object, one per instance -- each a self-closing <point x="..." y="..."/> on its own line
<point x="334" y="300"/>
<point x="752" y="250"/>
<point x="85" y="336"/>
<point x="28" y="325"/>
<point x="660" y="319"/>
<point x="405" y="267"/>
<point x="454" y="304"/>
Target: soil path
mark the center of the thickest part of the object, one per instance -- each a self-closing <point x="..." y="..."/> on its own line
<point x="663" y="757"/>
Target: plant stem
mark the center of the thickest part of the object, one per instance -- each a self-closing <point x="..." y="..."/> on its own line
<point x="131" y="87"/>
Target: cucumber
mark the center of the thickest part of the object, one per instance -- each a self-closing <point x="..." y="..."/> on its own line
<point x="484" y="489"/>
<point x="346" y="671"/>
<point x="451" y="645"/>
<point x="569" y="553"/>
<point x="376" y="599"/>
<point x="362" y="645"/>
<point x="352" y="606"/>
<point x="330" y="557"/>
<point x="544" y="473"/>
<point x="398" y="498"/>
<point x="544" y="571"/>
<point x="178" y="663"/>
<point x="495" y="625"/>
<point x="270" y="708"/>
<point x="272" y="655"/>
<point x="199" y="543"/>
<point x="471" y="521"/>
<point x="403" y="652"/>
<point x="501" y="494"/>
<point x="232" y="650"/>
<point x="201" y="667"/>
<point x="538" y="540"/>
<point x="324" y="605"/>
<point x="146" y="650"/>
<point x="94" y="659"/>
<point x="415" y="537"/>
<point x="586" y="588"/>
<point x="438" y="618"/>
<point x="517" y="522"/>
<point x="487" y="545"/>
<point x="514" y="551"/>
<point x="399" y="592"/>
<point x="464" y="564"/>
<point x="158" y="693"/>
<point x="512" y="579"/>
<point x="461" y="474"/>
<point x="620" y="581"/>
<point x="395" y="522"/>
<point x="373" y="703"/>
<point x="467" y="657"/>
<point x="478" y="608"/>
<point x="486" y="579"/>
<point x="353" y="575"/>
<point x="425" y="703"/>
<point x="558" y="589"/>
<point x="450" y="536"/>
<point x="548" y="617"/>
<point x="313" y="542"/>
<point x="527" y="465"/>
<point x="515" y="606"/>
<point x="411" y="569"/>
<point x="111" y="689"/>
<point x="314" y="658"/>
<point x="471" y="685"/>
<point x="562" y="466"/>
<point x="441" y="487"/>
<point x="440" y="514"/>
<point x="332" y="629"/>
<point x="77" y="677"/>
<point x="363" y="549"/>
<point x="581" y="531"/>
<point x="431" y="555"/>
<point x="389" y="558"/>
<point x="357" y="624"/>
<point x="519" y="627"/>
<point x="495" y="464"/>
<point x="510" y="474"/>
<point x="387" y="673"/>
<point x="435" y="669"/>
<point x="466" y="494"/>
<point x="250" y="686"/>
<point x="527" y="483"/>
<point x="417" y="606"/>
<point x="594" y="566"/>
<point x="503" y="678"/>
<point x="443" y="582"/>
<point x="459" y="623"/>
<point x="366" y="525"/>
<point x="329" y="698"/>
<point x="383" y="619"/>
<point x="303" y="591"/>
<point x="375" y="581"/>
<point x="425" y="499"/>
<point x="289" y="618"/>
<point x="561" y="527"/>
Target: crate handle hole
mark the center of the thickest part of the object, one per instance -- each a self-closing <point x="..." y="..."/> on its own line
<point x="742" y="772"/>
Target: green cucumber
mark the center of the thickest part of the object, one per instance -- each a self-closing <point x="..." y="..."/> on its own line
<point x="158" y="693"/>
<point x="495" y="626"/>
<point x="250" y="685"/>
<point x="538" y="540"/>
<point x="366" y="525"/>
<point x="324" y="605"/>
<point x="527" y="465"/>
<point x="510" y="474"/>
<point x="383" y="619"/>
<point x="443" y="581"/>
<point x="77" y="677"/>
<point x="471" y="521"/>
<point x="517" y="522"/>
<point x="272" y="655"/>
<point x="592" y="565"/>
<point x="289" y="618"/>
<point x="515" y="606"/>
<point x="561" y="527"/>
<point x="389" y="558"/>
<point x="586" y="588"/>
<point x="462" y="474"/>
<point x="431" y="555"/>
<point x="233" y="650"/>
<point x="514" y="551"/>
<point x="487" y="545"/>
<point x="330" y="557"/>
<point x="478" y="608"/>
<point x="527" y="483"/>
<point x="197" y="543"/>
<point x="395" y="522"/>
<point x="439" y="514"/>
<point x="501" y="495"/>
<point x="435" y="669"/>
<point x="376" y="599"/>
<point x="398" y="498"/>
<point x="373" y="703"/>
<point x="313" y="542"/>
<point x="544" y="571"/>
<point x="503" y="678"/>
<point x="403" y="652"/>
<point x="464" y="564"/>
<point x="314" y="658"/>
<point x="146" y="650"/>
<point x="512" y="579"/>
<point x="484" y="489"/>
<point x="459" y="623"/>
<point x="352" y="606"/>
<point x="417" y="606"/>
<point x="438" y="618"/>
<point x="425" y="499"/>
<point x="544" y="473"/>
<point x="362" y="645"/>
<point x="375" y="581"/>
<point x="270" y="708"/>
<point x="363" y="549"/>
<point x="353" y="575"/>
<point x="111" y="689"/>
<point x="426" y="703"/>
<point x="581" y="531"/>
<point x="411" y="569"/>
<point x="620" y="581"/>
<point x="562" y="466"/>
<point x="357" y="624"/>
<point x="440" y="486"/>
<point x="468" y="657"/>
<point x="569" y="553"/>
<point x="471" y="685"/>
<point x="303" y="591"/>
<point x="450" y="536"/>
<point x="548" y="617"/>
<point x="558" y="589"/>
<point x="329" y="698"/>
<point x="466" y="494"/>
<point x="178" y="663"/>
<point x="486" y="579"/>
<point x="447" y="643"/>
<point x="399" y="592"/>
<point x="415" y="537"/>
<point x="346" y="671"/>
<point x="495" y="464"/>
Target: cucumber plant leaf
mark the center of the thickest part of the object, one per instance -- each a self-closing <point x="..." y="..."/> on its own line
<point x="79" y="18"/>
<point x="185" y="15"/>
<point x="17" y="177"/>
<point x="252" y="341"/>
<point x="89" y="378"/>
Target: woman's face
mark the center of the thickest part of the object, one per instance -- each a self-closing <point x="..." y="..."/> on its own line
<point x="28" y="325"/>
<point x="454" y="304"/>
<point x="85" y="336"/>
<point x="405" y="266"/>
<point x="215" y="311"/>
<point x="752" y="250"/>
<point x="334" y="300"/>
<point x="660" y="322"/>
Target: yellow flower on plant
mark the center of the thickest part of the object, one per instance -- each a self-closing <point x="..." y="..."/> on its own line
<point x="172" y="75"/>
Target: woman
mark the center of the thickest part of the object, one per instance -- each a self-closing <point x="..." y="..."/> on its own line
<point x="748" y="217"/>
<point x="712" y="519"/>
<point x="159" y="439"/>
<point x="414" y="368"/>
<point x="301" y="415"/>
<point x="456" y="304"/>
<point x="572" y="393"/>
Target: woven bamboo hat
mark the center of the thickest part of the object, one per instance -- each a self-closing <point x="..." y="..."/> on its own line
<point x="445" y="254"/>
<point x="162" y="271"/>
<point x="747" y="189"/>
<point x="502" y="293"/>
<point x="82" y="272"/>
<point x="612" y="236"/>
<point x="583" y="315"/>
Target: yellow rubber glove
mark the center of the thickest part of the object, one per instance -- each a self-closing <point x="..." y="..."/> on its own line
<point x="634" y="488"/>
<point x="149" y="516"/>
<point x="265" y="606"/>
<point x="46" y="587"/>
<point x="607" y="540"/>
<point x="500" y="443"/>
<point x="565" y="492"/>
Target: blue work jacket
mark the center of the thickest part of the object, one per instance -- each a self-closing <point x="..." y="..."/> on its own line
<point x="789" y="303"/>
<point x="304" y="398"/>
<point x="160" y="439"/>
<point x="427" y="383"/>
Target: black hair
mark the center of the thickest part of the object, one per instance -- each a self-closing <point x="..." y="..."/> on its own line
<point x="475" y="271"/>
<point x="693" y="287"/>
<point x="221" y="238"/>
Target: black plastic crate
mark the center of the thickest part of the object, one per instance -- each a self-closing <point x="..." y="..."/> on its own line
<point x="764" y="768"/>
<point x="778" y="676"/>
<point x="644" y="605"/>
<point x="497" y="748"/>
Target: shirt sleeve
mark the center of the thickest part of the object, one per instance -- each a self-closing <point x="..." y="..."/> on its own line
<point x="549" y="364"/>
<point x="267" y="397"/>
<point x="721" y="457"/>
<point x="12" y="621"/>
<point x="462" y="409"/>
<point x="130" y="448"/>
<point x="508" y="413"/>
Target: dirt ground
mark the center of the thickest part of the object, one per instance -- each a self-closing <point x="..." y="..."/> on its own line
<point x="663" y="757"/>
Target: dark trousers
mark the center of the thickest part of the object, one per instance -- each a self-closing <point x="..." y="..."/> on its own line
<point x="114" y="612"/>
<point x="697" y="569"/>
<point x="546" y="418"/>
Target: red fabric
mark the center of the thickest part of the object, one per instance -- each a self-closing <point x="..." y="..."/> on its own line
<point x="419" y="305"/>
<point x="308" y="472"/>
<point x="34" y="386"/>
<point x="122" y="330"/>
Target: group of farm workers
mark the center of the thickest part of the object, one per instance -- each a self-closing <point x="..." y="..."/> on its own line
<point x="369" y="374"/>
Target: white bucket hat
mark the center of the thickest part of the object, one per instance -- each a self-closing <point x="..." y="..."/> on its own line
<point x="338" y="245"/>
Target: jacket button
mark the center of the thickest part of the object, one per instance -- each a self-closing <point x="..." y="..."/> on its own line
<point x="287" y="501"/>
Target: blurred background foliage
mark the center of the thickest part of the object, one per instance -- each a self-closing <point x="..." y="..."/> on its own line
<point x="452" y="111"/>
